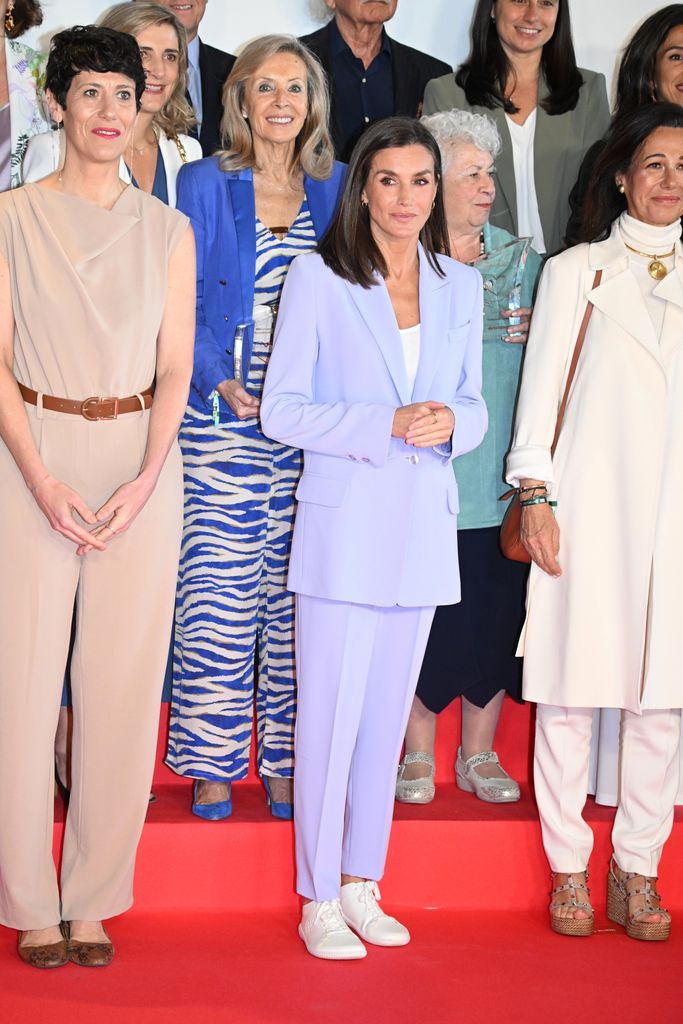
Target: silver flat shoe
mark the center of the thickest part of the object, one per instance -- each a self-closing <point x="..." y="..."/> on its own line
<point x="415" y="791"/>
<point x="492" y="791"/>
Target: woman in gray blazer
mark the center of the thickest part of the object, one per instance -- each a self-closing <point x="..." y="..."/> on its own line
<point x="522" y="72"/>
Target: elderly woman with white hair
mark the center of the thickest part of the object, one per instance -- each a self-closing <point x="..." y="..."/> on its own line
<point x="471" y="649"/>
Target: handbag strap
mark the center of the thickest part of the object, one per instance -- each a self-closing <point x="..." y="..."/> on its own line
<point x="575" y="359"/>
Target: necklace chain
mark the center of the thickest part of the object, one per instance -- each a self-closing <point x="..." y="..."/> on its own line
<point x="656" y="268"/>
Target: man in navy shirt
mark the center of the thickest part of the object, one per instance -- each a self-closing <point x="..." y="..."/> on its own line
<point x="370" y="75"/>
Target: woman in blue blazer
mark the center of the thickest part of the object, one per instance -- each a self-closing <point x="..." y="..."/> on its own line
<point x="376" y="374"/>
<point x="254" y="206"/>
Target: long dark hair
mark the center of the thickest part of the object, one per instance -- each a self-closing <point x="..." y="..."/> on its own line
<point x="92" y="48"/>
<point x="604" y="202"/>
<point x="26" y="14"/>
<point x="636" y="79"/>
<point x="485" y="73"/>
<point x="348" y="247"/>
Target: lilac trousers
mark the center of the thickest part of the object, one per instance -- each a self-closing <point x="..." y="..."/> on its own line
<point x="357" y="670"/>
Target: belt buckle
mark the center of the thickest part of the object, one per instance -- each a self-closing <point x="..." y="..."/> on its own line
<point x="88" y="403"/>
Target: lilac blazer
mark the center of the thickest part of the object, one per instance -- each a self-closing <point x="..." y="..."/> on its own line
<point x="376" y="519"/>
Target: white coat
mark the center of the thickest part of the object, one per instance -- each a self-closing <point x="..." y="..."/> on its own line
<point x="45" y="153"/>
<point x="607" y="633"/>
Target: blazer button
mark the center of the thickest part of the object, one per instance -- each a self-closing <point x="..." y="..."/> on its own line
<point x="222" y="282"/>
<point x="226" y="317"/>
<point x="414" y="459"/>
<point x="364" y="459"/>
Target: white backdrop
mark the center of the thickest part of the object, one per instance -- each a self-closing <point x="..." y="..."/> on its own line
<point x="439" y="27"/>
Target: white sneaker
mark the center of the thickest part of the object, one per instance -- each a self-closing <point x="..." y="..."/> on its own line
<point x="360" y="910"/>
<point x="325" y="933"/>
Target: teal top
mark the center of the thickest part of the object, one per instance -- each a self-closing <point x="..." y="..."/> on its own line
<point x="480" y="472"/>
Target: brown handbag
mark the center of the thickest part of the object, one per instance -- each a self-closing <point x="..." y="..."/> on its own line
<point x="510" y="540"/>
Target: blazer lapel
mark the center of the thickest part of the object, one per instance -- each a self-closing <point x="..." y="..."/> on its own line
<point x="172" y="162"/>
<point x="322" y="201"/>
<point x="434" y="307"/>
<point x="619" y="296"/>
<point x="241" y="189"/>
<point x="671" y="290"/>
<point x="374" y="306"/>
<point x="505" y="169"/>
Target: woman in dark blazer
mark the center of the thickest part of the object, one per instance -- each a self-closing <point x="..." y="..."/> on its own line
<point x="522" y="72"/>
<point x="266" y="197"/>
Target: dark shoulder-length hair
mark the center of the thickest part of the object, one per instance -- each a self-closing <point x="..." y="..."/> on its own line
<point x="348" y="247"/>
<point x="485" y="74"/>
<point x="26" y="14"/>
<point x="92" y="48"/>
<point x="636" y="79"/>
<point x="604" y="202"/>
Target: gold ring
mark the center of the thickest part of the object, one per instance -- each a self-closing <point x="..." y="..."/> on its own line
<point x="111" y="529"/>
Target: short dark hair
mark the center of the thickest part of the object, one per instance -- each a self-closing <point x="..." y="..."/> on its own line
<point x="92" y="48"/>
<point x="26" y="14"/>
<point x="348" y="247"/>
<point x="636" y="79"/>
<point x="484" y="75"/>
<point x="604" y="203"/>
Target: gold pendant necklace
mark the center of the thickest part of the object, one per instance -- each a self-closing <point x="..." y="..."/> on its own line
<point x="656" y="268"/>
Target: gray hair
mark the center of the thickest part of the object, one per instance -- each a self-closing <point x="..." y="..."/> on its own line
<point x="453" y="127"/>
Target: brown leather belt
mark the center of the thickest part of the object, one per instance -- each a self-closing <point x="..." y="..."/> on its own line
<point x="92" y="409"/>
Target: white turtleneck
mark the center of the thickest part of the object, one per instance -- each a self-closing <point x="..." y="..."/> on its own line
<point x="649" y="238"/>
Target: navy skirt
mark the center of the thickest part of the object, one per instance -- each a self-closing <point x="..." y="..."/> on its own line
<point x="471" y="648"/>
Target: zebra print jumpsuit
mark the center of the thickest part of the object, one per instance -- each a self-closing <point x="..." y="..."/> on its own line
<point x="234" y="616"/>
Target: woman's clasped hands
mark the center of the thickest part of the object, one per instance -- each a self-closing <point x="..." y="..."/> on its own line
<point x="424" y="424"/>
<point x="61" y="505"/>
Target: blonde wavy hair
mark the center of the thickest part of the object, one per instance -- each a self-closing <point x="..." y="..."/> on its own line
<point x="314" y="151"/>
<point x="176" y="117"/>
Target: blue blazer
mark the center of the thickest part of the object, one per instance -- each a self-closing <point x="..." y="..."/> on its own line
<point x="222" y="210"/>
<point x="376" y="518"/>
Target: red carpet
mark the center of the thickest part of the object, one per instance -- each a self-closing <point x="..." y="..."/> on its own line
<point x="212" y="937"/>
<point x="459" y="969"/>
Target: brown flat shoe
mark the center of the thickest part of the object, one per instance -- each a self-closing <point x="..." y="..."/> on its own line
<point x="51" y="954"/>
<point x="90" y="954"/>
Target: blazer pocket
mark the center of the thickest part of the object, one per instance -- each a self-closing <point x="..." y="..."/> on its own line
<point x="453" y="501"/>
<point x="321" y="490"/>
<point x="458" y="334"/>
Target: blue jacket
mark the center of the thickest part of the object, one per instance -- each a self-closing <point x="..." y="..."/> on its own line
<point x="222" y="210"/>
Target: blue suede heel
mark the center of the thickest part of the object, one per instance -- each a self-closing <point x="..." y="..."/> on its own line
<point x="278" y="810"/>
<point x="211" y="812"/>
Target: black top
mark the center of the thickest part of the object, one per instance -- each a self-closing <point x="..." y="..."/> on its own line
<point x="214" y="67"/>
<point x="410" y="71"/>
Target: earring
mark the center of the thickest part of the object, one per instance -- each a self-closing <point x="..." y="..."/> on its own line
<point x="9" y="17"/>
<point x="364" y="203"/>
<point x="621" y="188"/>
<point x="244" y="115"/>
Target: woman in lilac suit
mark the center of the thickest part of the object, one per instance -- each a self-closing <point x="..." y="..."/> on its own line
<point x="376" y="375"/>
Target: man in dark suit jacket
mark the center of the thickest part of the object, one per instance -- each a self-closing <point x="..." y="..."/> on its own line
<point x="208" y="70"/>
<point x="370" y="75"/>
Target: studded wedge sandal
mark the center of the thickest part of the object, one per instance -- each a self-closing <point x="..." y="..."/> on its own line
<point x="632" y="897"/>
<point x="576" y="895"/>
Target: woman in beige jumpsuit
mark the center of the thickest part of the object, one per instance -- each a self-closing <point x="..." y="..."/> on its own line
<point x="96" y="299"/>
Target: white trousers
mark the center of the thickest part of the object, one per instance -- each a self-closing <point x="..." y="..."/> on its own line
<point x="649" y="773"/>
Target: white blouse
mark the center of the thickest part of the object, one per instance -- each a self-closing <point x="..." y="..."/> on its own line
<point x="410" y="340"/>
<point x="528" y="217"/>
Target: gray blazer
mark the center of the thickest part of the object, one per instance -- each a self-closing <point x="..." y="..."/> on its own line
<point x="559" y="148"/>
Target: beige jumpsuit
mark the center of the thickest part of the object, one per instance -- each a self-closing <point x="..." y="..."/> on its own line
<point x="88" y="291"/>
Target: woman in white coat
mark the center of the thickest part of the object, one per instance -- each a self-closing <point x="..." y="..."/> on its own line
<point x="602" y="626"/>
<point x="159" y="145"/>
<point x="376" y="374"/>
